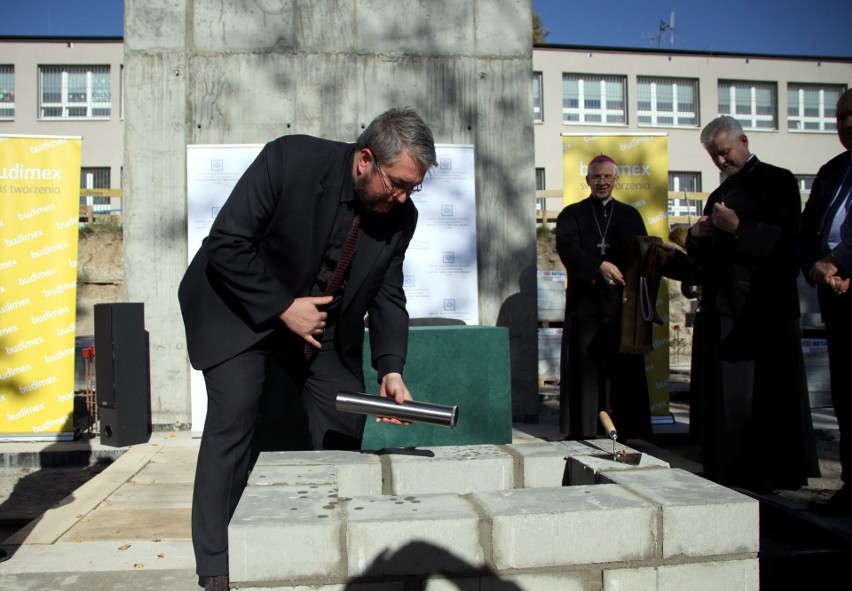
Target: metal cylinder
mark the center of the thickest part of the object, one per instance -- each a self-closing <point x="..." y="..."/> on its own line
<point x="415" y="412"/>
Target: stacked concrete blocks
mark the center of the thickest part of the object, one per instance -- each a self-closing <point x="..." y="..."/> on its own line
<point x="528" y="517"/>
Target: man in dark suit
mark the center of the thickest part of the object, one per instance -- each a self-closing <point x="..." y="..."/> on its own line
<point x="756" y="423"/>
<point x="824" y="247"/>
<point x="592" y="239"/>
<point x="276" y="283"/>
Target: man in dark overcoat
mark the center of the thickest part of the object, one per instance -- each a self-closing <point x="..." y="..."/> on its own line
<point x="825" y="254"/>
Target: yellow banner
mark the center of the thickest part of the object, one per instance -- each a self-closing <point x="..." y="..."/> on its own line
<point x="643" y="182"/>
<point x="40" y="197"/>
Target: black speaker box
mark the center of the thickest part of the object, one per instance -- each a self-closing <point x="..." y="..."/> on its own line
<point x="122" y="375"/>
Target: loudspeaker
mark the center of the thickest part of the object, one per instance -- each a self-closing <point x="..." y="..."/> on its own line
<point x="122" y="376"/>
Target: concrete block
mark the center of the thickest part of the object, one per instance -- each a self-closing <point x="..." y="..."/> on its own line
<point x="412" y="535"/>
<point x="588" y="469"/>
<point x="503" y="27"/>
<point x="451" y="469"/>
<point x="155" y="25"/>
<point x="731" y="575"/>
<point x="358" y="473"/>
<point x="700" y="518"/>
<point x="630" y="579"/>
<point x="442" y="27"/>
<point x="384" y="586"/>
<point x="542" y="463"/>
<point x="293" y="476"/>
<point x="582" y="525"/>
<point x="244" y="25"/>
<point x="561" y="581"/>
<point x="286" y="533"/>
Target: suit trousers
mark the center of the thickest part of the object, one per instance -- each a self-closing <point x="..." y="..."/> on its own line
<point x="234" y="391"/>
<point x="836" y="311"/>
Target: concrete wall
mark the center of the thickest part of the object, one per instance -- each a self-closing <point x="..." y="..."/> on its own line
<point x="247" y="71"/>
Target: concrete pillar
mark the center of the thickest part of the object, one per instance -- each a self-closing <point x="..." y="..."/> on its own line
<point x="248" y="71"/>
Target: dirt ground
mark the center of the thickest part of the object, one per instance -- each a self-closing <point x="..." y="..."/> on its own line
<point x="100" y="272"/>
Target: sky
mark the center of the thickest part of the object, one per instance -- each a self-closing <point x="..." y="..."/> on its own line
<point x="782" y="27"/>
<point x="779" y="27"/>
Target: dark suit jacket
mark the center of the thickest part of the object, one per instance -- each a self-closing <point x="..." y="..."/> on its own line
<point x="752" y="275"/>
<point x="809" y="242"/>
<point x="265" y="249"/>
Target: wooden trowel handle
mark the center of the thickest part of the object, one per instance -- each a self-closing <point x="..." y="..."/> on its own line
<point x="607" y="424"/>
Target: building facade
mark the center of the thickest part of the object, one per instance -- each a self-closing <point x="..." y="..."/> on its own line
<point x="69" y="87"/>
<point x="785" y="104"/>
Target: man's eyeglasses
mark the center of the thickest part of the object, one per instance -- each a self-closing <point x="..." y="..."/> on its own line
<point x="394" y="190"/>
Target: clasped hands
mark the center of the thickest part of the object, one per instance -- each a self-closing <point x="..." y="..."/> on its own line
<point x="828" y="272"/>
<point x="721" y="218"/>
<point x="306" y="318"/>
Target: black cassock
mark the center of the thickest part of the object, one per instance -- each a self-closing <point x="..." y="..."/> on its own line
<point x="749" y="393"/>
<point x="594" y="375"/>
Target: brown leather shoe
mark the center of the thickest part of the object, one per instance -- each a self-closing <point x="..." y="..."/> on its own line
<point x="217" y="583"/>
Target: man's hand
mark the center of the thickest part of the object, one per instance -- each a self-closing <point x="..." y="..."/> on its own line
<point x="611" y="274"/>
<point x="838" y="285"/>
<point x="392" y="386"/>
<point x="823" y="270"/>
<point x="703" y="228"/>
<point x="305" y="319"/>
<point x="725" y="218"/>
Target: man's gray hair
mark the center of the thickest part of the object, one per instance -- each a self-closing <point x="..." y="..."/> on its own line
<point x="717" y="126"/>
<point x="396" y="131"/>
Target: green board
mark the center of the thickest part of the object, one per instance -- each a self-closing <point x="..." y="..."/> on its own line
<point x="465" y="366"/>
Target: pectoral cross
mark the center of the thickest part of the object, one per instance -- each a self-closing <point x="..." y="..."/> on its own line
<point x="602" y="245"/>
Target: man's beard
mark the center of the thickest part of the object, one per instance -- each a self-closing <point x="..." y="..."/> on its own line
<point x="371" y="205"/>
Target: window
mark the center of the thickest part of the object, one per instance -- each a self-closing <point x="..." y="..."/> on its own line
<point x="753" y="104"/>
<point x="806" y="181"/>
<point x="7" y="92"/>
<point x="811" y="107"/>
<point x="667" y="102"/>
<point x="685" y="181"/>
<point x="95" y="178"/>
<point x="74" y="92"/>
<point x="538" y="113"/>
<point x="540" y="202"/>
<point x="539" y="179"/>
<point x="593" y="99"/>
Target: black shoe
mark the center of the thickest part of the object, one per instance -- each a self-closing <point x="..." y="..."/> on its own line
<point x="4" y="556"/>
<point x="840" y="504"/>
<point x="217" y="583"/>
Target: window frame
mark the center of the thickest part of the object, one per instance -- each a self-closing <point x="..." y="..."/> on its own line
<point x="750" y="120"/>
<point x="7" y="95"/>
<point x="654" y="112"/>
<point x="538" y="97"/>
<point x="825" y="123"/>
<point x="584" y="96"/>
<point x="74" y="98"/>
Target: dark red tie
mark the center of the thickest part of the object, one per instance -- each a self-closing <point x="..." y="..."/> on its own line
<point x="339" y="271"/>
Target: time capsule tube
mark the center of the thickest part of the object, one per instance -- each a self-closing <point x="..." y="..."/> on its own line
<point x="416" y="412"/>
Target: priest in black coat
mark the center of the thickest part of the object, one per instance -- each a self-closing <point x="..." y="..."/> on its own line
<point x="756" y="424"/>
<point x="592" y="239"/>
